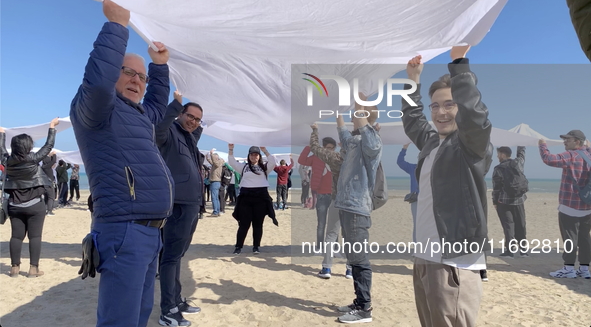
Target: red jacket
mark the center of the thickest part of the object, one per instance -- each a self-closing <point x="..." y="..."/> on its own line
<point x="321" y="184"/>
<point x="283" y="173"/>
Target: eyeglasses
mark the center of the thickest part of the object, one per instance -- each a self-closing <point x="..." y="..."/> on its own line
<point x="131" y="73"/>
<point x="193" y="118"/>
<point x="447" y="106"/>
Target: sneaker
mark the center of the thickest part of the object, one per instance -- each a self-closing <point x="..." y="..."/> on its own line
<point x="214" y="215"/>
<point x="507" y="254"/>
<point x="523" y="255"/>
<point x="356" y="316"/>
<point x="237" y="250"/>
<point x="564" y="273"/>
<point x="349" y="274"/>
<point x="255" y="250"/>
<point x="50" y="213"/>
<point x="347" y="308"/>
<point x="483" y="276"/>
<point x="583" y="273"/>
<point x="187" y="309"/>
<point x="324" y="273"/>
<point x="173" y="318"/>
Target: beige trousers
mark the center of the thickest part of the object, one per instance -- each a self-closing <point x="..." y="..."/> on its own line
<point x="446" y="296"/>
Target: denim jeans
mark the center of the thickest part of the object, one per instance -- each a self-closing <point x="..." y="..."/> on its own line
<point x="356" y="230"/>
<point x="128" y="261"/>
<point x="333" y="228"/>
<point x="215" y="196"/>
<point x="322" y="204"/>
<point x="177" y="235"/>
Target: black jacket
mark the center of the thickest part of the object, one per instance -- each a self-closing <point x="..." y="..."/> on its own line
<point x="462" y="161"/>
<point x="47" y="166"/>
<point x="24" y="174"/>
<point x="181" y="154"/>
<point x="62" y="173"/>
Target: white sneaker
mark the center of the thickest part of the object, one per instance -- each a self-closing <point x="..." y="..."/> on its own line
<point x="564" y="273"/>
<point x="583" y="273"/>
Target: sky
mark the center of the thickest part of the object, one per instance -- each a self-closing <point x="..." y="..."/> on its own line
<point x="530" y="67"/>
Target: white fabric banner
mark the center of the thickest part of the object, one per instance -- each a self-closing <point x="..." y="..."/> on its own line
<point x="234" y="58"/>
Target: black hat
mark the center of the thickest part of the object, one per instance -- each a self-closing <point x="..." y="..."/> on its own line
<point x="574" y="133"/>
<point x="254" y="149"/>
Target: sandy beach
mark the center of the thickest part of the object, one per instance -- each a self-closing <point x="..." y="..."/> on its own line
<point x="274" y="289"/>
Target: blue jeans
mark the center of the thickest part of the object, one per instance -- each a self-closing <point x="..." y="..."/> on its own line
<point x="215" y="196"/>
<point x="177" y="235"/>
<point x="129" y="255"/>
<point x="355" y="229"/>
<point x="322" y="204"/>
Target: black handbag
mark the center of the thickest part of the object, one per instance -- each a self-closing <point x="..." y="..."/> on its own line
<point x="411" y="197"/>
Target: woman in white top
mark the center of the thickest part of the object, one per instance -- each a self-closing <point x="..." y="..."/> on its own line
<point x="254" y="201"/>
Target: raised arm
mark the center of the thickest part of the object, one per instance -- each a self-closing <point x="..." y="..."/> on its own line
<point x="416" y="126"/>
<point x="49" y="143"/>
<point x="520" y="158"/>
<point x="560" y="160"/>
<point x="157" y="91"/>
<point x="271" y="162"/>
<point x="163" y="131"/>
<point x="406" y="166"/>
<point x="232" y="160"/>
<point x="95" y="100"/>
<point x="328" y="156"/>
<point x="474" y="128"/>
<point x="304" y="159"/>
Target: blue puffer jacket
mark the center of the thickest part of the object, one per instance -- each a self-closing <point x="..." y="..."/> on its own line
<point x="127" y="176"/>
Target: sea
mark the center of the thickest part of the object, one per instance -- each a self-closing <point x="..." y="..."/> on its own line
<point x="399" y="184"/>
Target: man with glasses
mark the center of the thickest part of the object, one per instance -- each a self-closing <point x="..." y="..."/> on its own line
<point x="574" y="215"/>
<point x="131" y="186"/>
<point x="177" y="136"/>
<point x="451" y="208"/>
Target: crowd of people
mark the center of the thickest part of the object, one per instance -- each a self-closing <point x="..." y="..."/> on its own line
<point x="150" y="191"/>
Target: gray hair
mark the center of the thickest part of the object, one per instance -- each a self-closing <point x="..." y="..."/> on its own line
<point x="135" y="55"/>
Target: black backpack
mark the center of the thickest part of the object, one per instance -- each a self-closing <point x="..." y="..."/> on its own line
<point x="515" y="184"/>
<point x="226" y="176"/>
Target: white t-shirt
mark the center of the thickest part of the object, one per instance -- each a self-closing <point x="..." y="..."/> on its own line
<point x="250" y="179"/>
<point x="426" y="228"/>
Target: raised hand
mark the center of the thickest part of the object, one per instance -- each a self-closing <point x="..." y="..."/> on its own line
<point x="264" y="149"/>
<point x="115" y="13"/>
<point x="230" y="146"/>
<point x="459" y="51"/>
<point x="541" y="141"/>
<point x="161" y="56"/>
<point x="178" y="96"/>
<point x="2" y="130"/>
<point x="314" y="126"/>
<point x="406" y="146"/>
<point x="54" y="122"/>
<point x="414" y="68"/>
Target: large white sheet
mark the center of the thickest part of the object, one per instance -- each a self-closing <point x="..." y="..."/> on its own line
<point x="234" y="57"/>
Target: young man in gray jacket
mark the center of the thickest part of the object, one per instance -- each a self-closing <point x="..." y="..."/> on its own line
<point x="354" y="200"/>
<point x="451" y="207"/>
<point x="177" y="136"/>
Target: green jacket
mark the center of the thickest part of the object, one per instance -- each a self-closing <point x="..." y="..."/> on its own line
<point x="580" y="14"/>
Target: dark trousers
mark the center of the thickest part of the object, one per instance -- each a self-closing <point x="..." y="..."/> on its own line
<point x="49" y="198"/>
<point x="26" y="221"/>
<point x="128" y="259"/>
<point x="577" y="230"/>
<point x="513" y="221"/>
<point x="222" y="197"/>
<point x="207" y="191"/>
<point x="63" y="189"/>
<point x="281" y="194"/>
<point x="322" y="204"/>
<point x="74" y="186"/>
<point x="305" y="192"/>
<point x="355" y="229"/>
<point x="177" y="235"/>
<point x="252" y="212"/>
<point x="231" y="193"/>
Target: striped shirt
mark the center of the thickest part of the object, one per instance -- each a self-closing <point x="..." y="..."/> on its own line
<point x="574" y="170"/>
